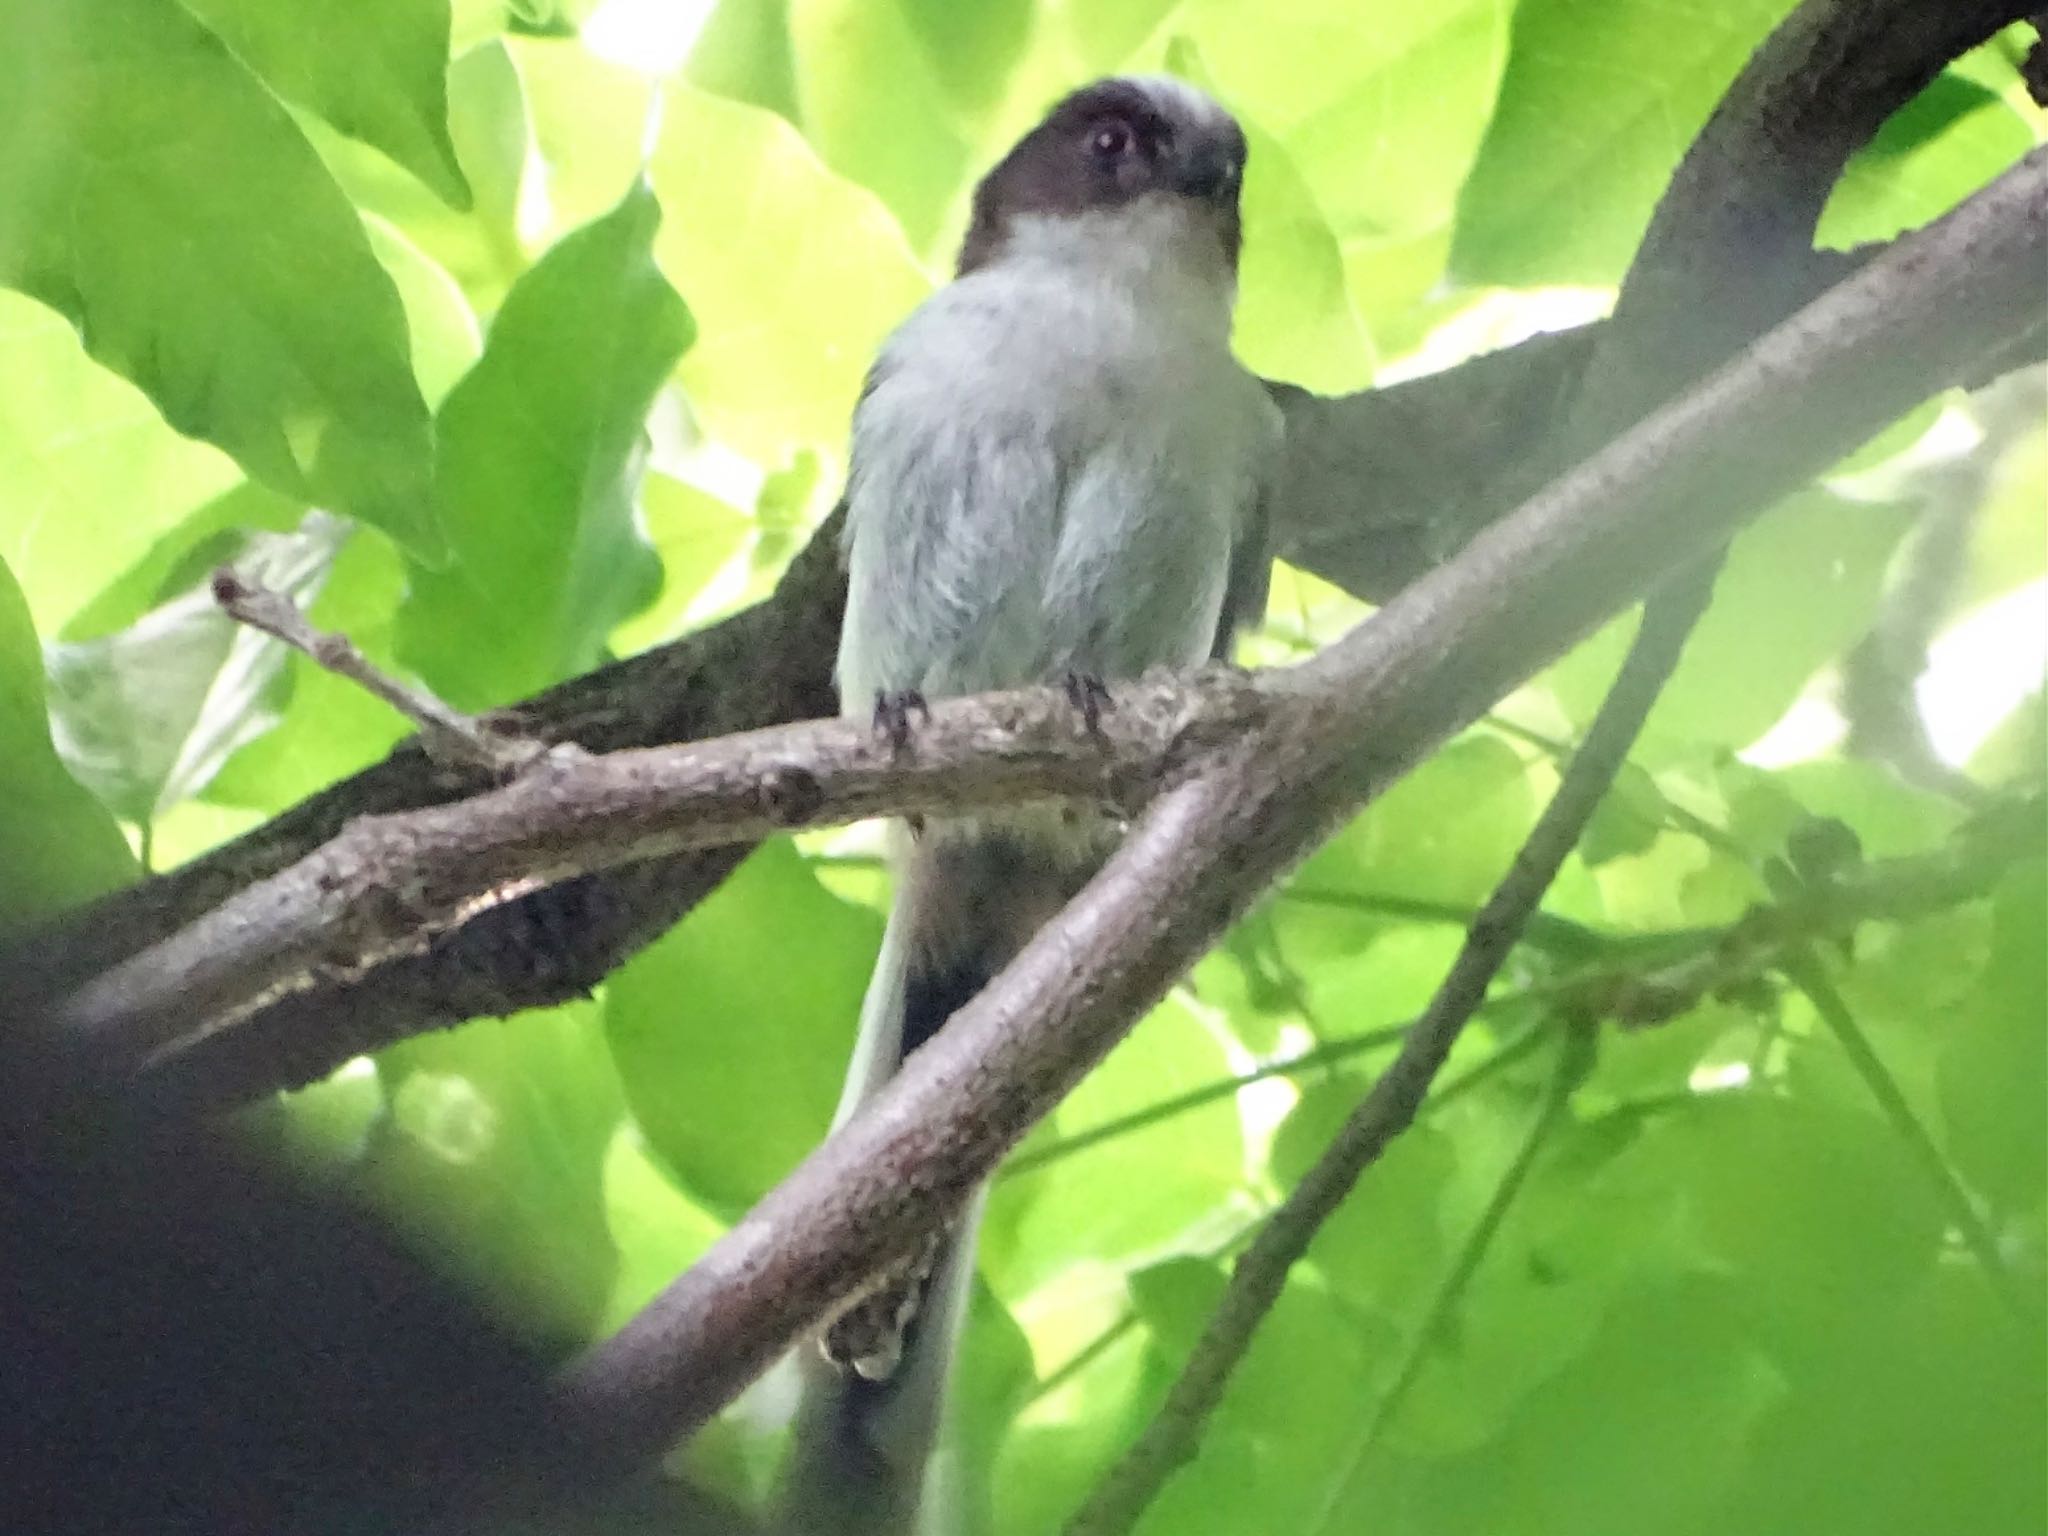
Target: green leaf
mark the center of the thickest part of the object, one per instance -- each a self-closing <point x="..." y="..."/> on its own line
<point x="1289" y="1409"/>
<point x="732" y="1033"/>
<point x="1940" y="147"/>
<point x="146" y="716"/>
<point x="658" y="1231"/>
<point x="901" y="142"/>
<point x="92" y="473"/>
<point x="487" y="122"/>
<point x="794" y="275"/>
<point x="541" y="451"/>
<point x="972" y="50"/>
<point x="744" y="53"/>
<point x="696" y="535"/>
<point x="1597" y="105"/>
<point x="1381" y="108"/>
<point x="1800" y="588"/>
<point x="1069" y="1213"/>
<point x="1294" y="316"/>
<point x="152" y="192"/>
<point x="1443" y="834"/>
<point x="184" y="554"/>
<point x="375" y="69"/>
<point x="1926" y="1417"/>
<point x="58" y="845"/>
<point x="1994" y="1054"/>
<point x="590" y="122"/>
<point x="445" y="343"/>
<point x="1658" y="1412"/>
<point x="493" y="1152"/>
<point x="1383" y="1245"/>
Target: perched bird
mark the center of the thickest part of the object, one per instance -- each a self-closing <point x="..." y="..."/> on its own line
<point x="1057" y="474"/>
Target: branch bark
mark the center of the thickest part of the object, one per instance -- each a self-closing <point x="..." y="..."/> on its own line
<point x="1260" y="1275"/>
<point x="1361" y="714"/>
<point x="1436" y="451"/>
<point x="385" y="884"/>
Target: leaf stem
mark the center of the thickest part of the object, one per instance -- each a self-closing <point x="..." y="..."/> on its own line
<point x="1811" y="977"/>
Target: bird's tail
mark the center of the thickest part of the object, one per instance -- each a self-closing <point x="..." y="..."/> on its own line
<point x="872" y="1397"/>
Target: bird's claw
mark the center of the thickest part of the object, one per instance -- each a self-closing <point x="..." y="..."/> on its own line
<point x="893" y="709"/>
<point x="1089" y="695"/>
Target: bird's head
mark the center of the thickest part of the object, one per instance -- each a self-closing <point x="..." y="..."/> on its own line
<point x="1151" y="146"/>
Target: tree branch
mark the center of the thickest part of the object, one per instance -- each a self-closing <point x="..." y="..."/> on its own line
<point x="1435" y="449"/>
<point x="385" y="884"/>
<point x="1259" y="1277"/>
<point x="1361" y="714"/>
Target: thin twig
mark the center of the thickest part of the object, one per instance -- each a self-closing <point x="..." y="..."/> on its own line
<point x="1574" y="1059"/>
<point x="450" y="737"/>
<point x="1811" y="977"/>
<point x="1261" y="1275"/>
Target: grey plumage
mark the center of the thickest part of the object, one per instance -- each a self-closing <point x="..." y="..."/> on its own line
<point x="1057" y="469"/>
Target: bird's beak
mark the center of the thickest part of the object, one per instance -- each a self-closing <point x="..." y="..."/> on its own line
<point x="1209" y="171"/>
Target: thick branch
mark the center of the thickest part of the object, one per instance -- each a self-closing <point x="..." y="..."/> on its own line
<point x="1362" y="714"/>
<point x="1723" y="256"/>
<point x="1261" y="1274"/>
<point x="386" y="883"/>
<point x="1434" y="451"/>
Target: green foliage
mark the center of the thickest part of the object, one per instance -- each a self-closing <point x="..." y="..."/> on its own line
<point x="540" y="449"/>
<point x="161" y="201"/>
<point x="561" y="340"/>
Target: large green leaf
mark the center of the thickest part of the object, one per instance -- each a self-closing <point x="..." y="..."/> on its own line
<point x="1800" y="588"/>
<point x="493" y="1150"/>
<point x="146" y="716"/>
<point x="154" y="193"/>
<point x="91" y="473"/>
<point x="541" y="451"/>
<point x="1597" y="105"/>
<point x="1068" y="1212"/>
<point x="1294" y="316"/>
<point x="1943" y="145"/>
<point x="58" y="845"/>
<point x="901" y="142"/>
<point x="375" y="69"/>
<point x="732" y="1033"/>
<point x="1382" y="106"/>
<point x="795" y="275"/>
<point x="479" y="247"/>
<point x="1994" y="1054"/>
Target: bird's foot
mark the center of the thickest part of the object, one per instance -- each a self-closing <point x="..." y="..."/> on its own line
<point x="893" y="709"/>
<point x="1089" y="695"/>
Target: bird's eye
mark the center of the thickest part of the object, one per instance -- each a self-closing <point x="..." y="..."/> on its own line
<point x="1111" y="141"/>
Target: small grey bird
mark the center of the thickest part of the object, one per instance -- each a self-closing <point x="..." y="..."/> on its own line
<point x="1057" y="473"/>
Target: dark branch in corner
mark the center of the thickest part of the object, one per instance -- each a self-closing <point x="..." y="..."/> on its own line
<point x="1360" y="715"/>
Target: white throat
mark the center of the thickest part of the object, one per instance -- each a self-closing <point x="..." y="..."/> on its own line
<point x="1156" y="250"/>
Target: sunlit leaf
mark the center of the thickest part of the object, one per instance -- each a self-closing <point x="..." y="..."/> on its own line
<point x="375" y="69"/>
<point x="494" y="1150"/>
<point x="151" y="191"/>
<point x="1596" y="107"/>
<point x="147" y="715"/>
<point x="794" y="275"/>
<point x="541" y="451"/>
<point x="731" y="1054"/>
<point x="93" y="474"/>
<point x="58" y="845"/>
<point x="901" y="144"/>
